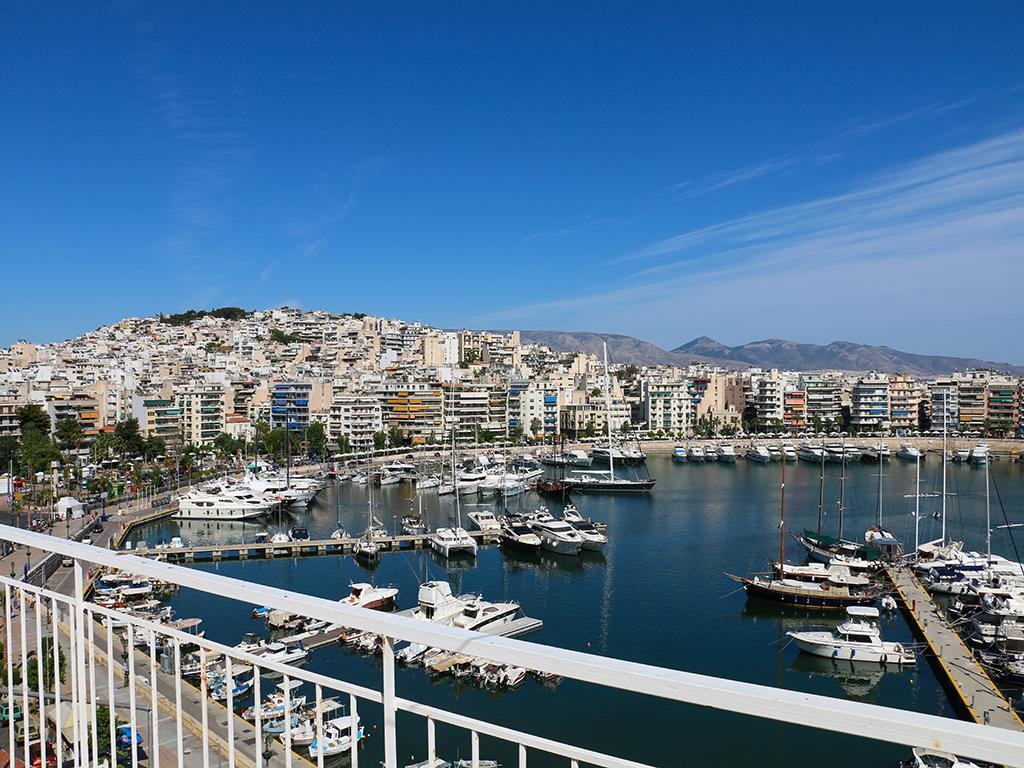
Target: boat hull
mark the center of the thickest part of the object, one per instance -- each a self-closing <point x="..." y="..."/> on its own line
<point x="818" y="599"/>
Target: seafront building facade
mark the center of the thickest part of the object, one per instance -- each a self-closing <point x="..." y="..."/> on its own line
<point x="362" y="376"/>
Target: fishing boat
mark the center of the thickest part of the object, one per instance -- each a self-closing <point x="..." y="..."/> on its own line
<point x="858" y="638"/>
<point x="338" y="737"/>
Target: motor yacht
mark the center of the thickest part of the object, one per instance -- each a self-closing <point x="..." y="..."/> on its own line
<point x="478" y="613"/>
<point x="679" y="454"/>
<point x="789" y="453"/>
<point x="759" y="453"/>
<point x="516" y="533"/>
<point x="979" y="454"/>
<point x="811" y="452"/>
<point x="577" y="458"/>
<point x="484" y="520"/>
<point x="695" y="453"/>
<point x="363" y="595"/>
<point x="428" y="483"/>
<point x="238" y="505"/>
<point x="932" y="758"/>
<point x="556" y="536"/>
<point x="774" y="453"/>
<point x="593" y="539"/>
<point x="710" y="453"/>
<point x="909" y="452"/>
<point x="726" y="454"/>
<point x="858" y="638"/>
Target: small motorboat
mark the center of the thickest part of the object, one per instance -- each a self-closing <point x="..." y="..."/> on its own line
<point x="337" y="737"/>
<point x="298" y="533"/>
<point x="484" y="520"/>
<point x="932" y="758"/>
<point x="367" y="549"/>
<point x="363" y="595"/>
<point x="856" y="639"/>
<point x="413" y="525"/>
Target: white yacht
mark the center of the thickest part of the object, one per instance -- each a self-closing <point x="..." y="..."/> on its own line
<point x="775" y="453"/>
<point x="858" y="638"/>
<point x="451" y="541"/>
<point x="478" y="613"/>
<point x="932" y="758"/>
<point x="811" y="452"/>
<point x="435" y="602"/>
<point x="759" y="454"/>
<point x="577" y="458"/>
<point x="726" y="454"/>
<point x="426" y="483"/>
<point x="710" y="453"/>
<point x="556" y="536"/>
<point x="695" y="453"/>
<point x="364" y="595"/>
<point x="516" y="533"/>
<point x="593" y="539"/>
<point x="789" y="453"/>
<point x="238" y="505"/>
<point x="484" y="520"/>
<point x="979" y="454"/>
<point x="909" y="452"/>
<point x="337" y="737"/>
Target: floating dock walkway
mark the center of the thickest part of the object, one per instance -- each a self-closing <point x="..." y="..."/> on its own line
<point x="243" y="551"/>
<point x="958" y="670"/>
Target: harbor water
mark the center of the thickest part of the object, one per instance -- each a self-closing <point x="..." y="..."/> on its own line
<point x="658" y="595"/>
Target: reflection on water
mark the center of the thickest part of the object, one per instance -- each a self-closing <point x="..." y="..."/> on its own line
<point x="857" y="680"/>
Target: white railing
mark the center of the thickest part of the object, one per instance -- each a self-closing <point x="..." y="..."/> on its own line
<point x="84" y="632"/>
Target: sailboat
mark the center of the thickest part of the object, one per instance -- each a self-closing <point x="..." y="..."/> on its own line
<point x="824" y="548"/>
<point x="840" y="590"/>
<point x="367" y="548"/>
<point x="599" y="481"/>
<point x="877" y="537"/>
<point x="450" y="541"/>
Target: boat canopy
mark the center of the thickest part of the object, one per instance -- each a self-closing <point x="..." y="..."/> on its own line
<point x="862" y="611"/>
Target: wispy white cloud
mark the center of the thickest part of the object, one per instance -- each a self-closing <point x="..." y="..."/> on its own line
<point x="938" y="242"/>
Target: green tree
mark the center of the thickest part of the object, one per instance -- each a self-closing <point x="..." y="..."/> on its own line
<point x="155" y="446"/>
<point x="32" y="416"/>
<point x="68" y="433"/>
<point x="283" y="338"/>
<point x="396" y="437"/>
<point x="104" y="446"/>
<point x="37" y="449"/>
<point x="226" y="444"/>
<point x="33" y="671"/>
<point x="130" y="440"/>
<point x="316" y="440"/>
<point x="517" y="433"/>
<point x="9" y="452"/>
<point x="590" y="430"/>
<point x="535" y="426"/>
<point x="380" y="439"/>
<point x="344" y="444"/>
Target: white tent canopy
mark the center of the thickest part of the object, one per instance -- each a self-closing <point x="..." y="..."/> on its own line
<point x="68" y="506"/>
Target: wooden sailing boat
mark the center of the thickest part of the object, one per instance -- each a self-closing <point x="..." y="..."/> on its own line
<point x="838" y="591"/>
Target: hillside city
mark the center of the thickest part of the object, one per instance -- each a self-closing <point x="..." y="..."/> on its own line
<point x="372" y="382"/>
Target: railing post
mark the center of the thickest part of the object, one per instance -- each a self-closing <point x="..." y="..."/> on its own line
<point x="177" y="703"/>
<point x="110" y="689"/>
<point x="474" y="746"/>
<point x="82" y="713"/>
<point x="40" y="681"/>
<point x="92" y="689"/>
<point x="431" y="742"/>
<point x="154" y="715"/>
<point x="522" y="756"/>
<point x="354" y="731"/>
<point x="388" y="696"/>
<point x="24" y="676"/>
<point x="9" y="653"/>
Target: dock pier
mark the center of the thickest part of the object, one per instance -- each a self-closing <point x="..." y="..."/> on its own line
<point x="970" y="688"/>
<point x="311" y="548"/>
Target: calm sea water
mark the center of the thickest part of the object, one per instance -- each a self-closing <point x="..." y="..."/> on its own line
<point x="658" y="595"/>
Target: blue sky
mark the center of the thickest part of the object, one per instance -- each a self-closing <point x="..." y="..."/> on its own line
<point x="813" y="171"/>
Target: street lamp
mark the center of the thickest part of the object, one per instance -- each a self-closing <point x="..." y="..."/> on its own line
<point x="124" y="657"/>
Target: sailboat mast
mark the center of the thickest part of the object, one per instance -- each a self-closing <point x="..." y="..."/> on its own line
<point x="842" y="489"/>
<point x="945" y="450"/>
<point x="608" y="412"/>
<point x="821" y="489"/>
<point x="988" y="518"/>
<point x="879" y="485"/>
<point x="782" y="521"/>
<point x="455" y="483"/>
<point x="917" y="504"/>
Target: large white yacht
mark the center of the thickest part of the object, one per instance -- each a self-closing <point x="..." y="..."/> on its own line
<point x="451" y="541"/>
<point x="237" y="504"/>
<point x="556" y="536"/>
<point x="478" y="613"/>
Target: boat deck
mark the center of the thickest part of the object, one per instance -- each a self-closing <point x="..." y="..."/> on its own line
<point x="313" y="547"/>
<point x="959" y="671"/>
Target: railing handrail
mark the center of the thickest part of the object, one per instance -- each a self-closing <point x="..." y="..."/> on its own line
<point x="823" y="712"/>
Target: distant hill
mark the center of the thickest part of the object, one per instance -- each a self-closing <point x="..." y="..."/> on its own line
<point x="621" y="349"/>
<point x="840" y="355"/>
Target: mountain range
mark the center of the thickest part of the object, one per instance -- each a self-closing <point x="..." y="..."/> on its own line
<point x="769" y="353"/>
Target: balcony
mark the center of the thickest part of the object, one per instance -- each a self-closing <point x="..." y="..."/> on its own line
<point x="139" y="669"/>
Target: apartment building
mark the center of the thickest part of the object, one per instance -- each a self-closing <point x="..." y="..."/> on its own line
<point x="416" y="408"/>
<point x="824" y="397"/>
<point x="904" y="403"/>
<point x="869" y="405"/>
<point x="289" y="405"/>
<point x="576" y="417"/>
<point x="944" y="405"/>
<point x="768" y="401"/>
<point x="972" y="402"/>
<point x="667" y="406"/>
<point x="468" y="410"/>
<point x="10" y="425"/>
<point x="203" y="412"/>
<point x="159" y="417"/>
<point x="84" y="408"/>
<point x="355" y="417"/>
<point x="531" y="404"/>
<point x="1003" y="407"/>
<point x="794" y="409"/>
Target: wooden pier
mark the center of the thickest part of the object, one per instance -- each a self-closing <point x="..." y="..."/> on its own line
<point x="969" y="685"/>
<point x="311" y="548"/>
